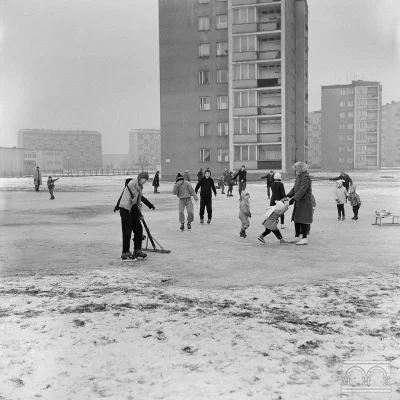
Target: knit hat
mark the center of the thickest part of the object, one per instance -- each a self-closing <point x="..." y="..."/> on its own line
<point x="179" y="177"/>
<point x="339" y="183"/>
<point x="277" y="175"/>
<point x="144" y="175"/>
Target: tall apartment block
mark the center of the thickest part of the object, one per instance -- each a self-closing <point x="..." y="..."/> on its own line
<point x="351" y="132"/>
<point x="146" y="143"/>
<point x="390" y="140"/>
<point x="233" y="84"/>
<point x="80" y="149"/>
<point x="314" y="139"/>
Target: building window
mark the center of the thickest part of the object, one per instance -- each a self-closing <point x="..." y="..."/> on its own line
<point x="342" y="104"/>
<point x="244" y="43"/>
<point x="361" y="90"/>
<point x="222" y="128"/>
<point x="204" y="23"/>
<point x="205" y="103"/>
<point x="342" y="92"/>
<point x="342" y="115"/>
<point x="205" y="155"/>
<point x="342" y="126"/>
<point x="222" y="49"/>
<point x="350" y="126"/>
<point x="361" y="102"/>
<point x="245" y="99"/>
<point x="341" y="160"/>
<point x="361" y="124"/>
<point x="222" y="76"/>
<point x="222" y="21"/>
<point x="245" y="126"/>
<point x="203" y="1"/>
<point x="205" y="129"/>
<point x="222" y="102"/>
<point x="33" y="155"/>
<point x="361" y="113"/>
<point x="204" y="77"/>
<point x="223" y="155"/>
<point x="204" y="50"/>
<point x="245" y="153"/>
<point x="244" y="71"/>
<point x="244" y="15"/>
<point x="350" y="103"/>
<point x="350" y="114"/>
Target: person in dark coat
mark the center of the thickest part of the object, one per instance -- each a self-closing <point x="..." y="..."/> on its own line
<point x="200" y="174"/>
<point x="278" y="193"/>
<point x="156" y="182"/>
<point x="242" y="174"/>
<point x="206" y="184"/>
<point x="347" y="181"/>
<point x="270" y="181"/>
<point x="300" y="195"/>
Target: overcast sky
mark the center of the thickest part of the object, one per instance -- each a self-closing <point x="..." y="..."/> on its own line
<point x="93" y="64"/>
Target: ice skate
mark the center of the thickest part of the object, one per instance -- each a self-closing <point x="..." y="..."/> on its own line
<point x="128" y="257"/>
<point x="189" y="225"/>
<point x="242" y="234"/>
<point x="182" y="227"/>
<point x="283" y="241"/>
<point x="261" y="239"/>
<point x="139" y="253"/>
<point x="282" y="226"/>
<point x="343" y="218"/>
<point x="295" y="240"/>
<point x="339" y="218"/>
<point x="209" y="221"/>
<point x="202" y="221"/>
<point x="302" y="242"/>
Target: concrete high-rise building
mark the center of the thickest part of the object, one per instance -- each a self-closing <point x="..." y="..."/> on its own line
<point x="314" y="139"/>
<point x="145" y="146"/>
<point x="80" y="149"/>
<point x="390" y="141"/>
<point x="351" y="119"/>
<point x="233" y="84"/>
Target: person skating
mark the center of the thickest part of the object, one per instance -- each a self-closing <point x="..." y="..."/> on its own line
<point x="270" y="181"/>
<point x="355" y="201"/>
<point x="50" y="185"/>
<point x="278" y="193"/>
<point x="199" y="174"/>
<point x="206" y="186"/>
<point x="221" y="184"/>
<point x="340" y="195"/>
<point x="347" y="181"/>
<point x="242" y="174"/>
<point x="184" y="191"/>
<point x="230" y="183"/>
<point x="156" y="182"/>
<point x="37" y="179"/>
<point x="244" y="213"/>
<point x="271" y="220"/>
<point x="186" y="176"/>
<point x="130" y="207"/>
<point x="225" y="175"/>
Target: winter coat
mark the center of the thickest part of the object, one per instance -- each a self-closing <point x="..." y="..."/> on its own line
<point x="156" y="180"/>
<point x="183" y="190"/>
<point x="278" y="192"/>
<point x="229" y="180"/>
<point x="128" y="202"/>
<point x="271" y="222"/>
<point x="270" y="179"/>
<point x="340" y="195"/>
<point x="347" y="181"/>
<point x="301" y="193"/>
<point x="207" y="187"/>
<point x="354" y="199"/>
<point x="186" y="177"/>
<point x="199" y="175"/>
<point x="242" y="175"/>
<point x="50" y="183"/>
<point x="244" y="211"/>
<point x="37" y="178"/>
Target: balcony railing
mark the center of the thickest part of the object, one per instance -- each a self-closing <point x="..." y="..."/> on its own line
<point x="268" y="55"/>
<point x="269" y="110"/>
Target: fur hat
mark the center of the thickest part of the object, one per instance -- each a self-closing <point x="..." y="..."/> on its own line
<point x="144" y="175"/>
<point x="244" y="194"/>
<point x="277" y="176"/>
<point x="339" y="183"/>
<point x="300" y="166"/>
<point x="179" y="177"/>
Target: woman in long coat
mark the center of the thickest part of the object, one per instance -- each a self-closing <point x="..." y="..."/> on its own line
<point x="156" y="182"/>
<point x="300" y="195"/>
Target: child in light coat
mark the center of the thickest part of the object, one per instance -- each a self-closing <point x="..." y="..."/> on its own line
<point x="271" y="220"/>
<point x="184" y="191"/>
<point x="340" y="195"/>
<point x="244" y="213"/>
<point x="355" y="201"/>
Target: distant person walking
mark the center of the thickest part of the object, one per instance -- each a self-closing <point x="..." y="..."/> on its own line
<point x="200" y="174"/>
<point x="37" y="179"/>
<point x="347" y="181"/>
<point x="270" y="180"/>
<point x="156" y="182"/>
<point x="242" y="174"/>
<point x="50" y="185"/>
<point x="186" y="176"/>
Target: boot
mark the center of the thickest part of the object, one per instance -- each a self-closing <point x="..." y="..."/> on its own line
<point x="139" y="253"/>
<point x="302" y="242"/>
<point x="261" y="239"/>
<point x="182" y="227"/>
<point x="189" y="225"/>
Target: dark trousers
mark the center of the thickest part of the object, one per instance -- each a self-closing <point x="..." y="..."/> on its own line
<point x="51" y="190"/>
<point x="221" y="186"/>
<point x="301" y="228"/>
<point x="340" y="209"/>
<point x="355" y="210"/>
<point x="269" y="191"/>
<point x="130" y="222"/>
<point x="206" y="202"/>
<point x="230" y="188"/>
<point x="155" y="189"/>
<point x="276" y="232"/>
<point x="242" y="186"/>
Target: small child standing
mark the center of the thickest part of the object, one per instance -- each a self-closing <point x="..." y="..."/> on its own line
<point x="50" y="185"/>
<point x="278" y="193"/>
<point x="340" y="195"/>
<point x="271" y="220"/>
<point x="221" y="184"/>
<point x="244" y="213"/>
<point x="230" y="183"/>
<point x="355" y="201"/>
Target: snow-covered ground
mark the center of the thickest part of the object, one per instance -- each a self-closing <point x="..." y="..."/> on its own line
<point x="219" y="317"/>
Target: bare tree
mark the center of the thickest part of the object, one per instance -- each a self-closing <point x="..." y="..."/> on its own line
<point x="143" y="161"/>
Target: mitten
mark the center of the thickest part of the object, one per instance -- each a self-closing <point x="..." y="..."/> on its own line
<point x="291" y="201"/>
<point x="152" y="207"/>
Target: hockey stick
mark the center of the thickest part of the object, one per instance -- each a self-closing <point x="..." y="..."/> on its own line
<point x="152" y="239"/>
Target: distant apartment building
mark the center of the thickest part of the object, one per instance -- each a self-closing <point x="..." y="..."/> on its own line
<point x="351" y="119"/>
<point x="233" y="84"/>
<point x="145" y="144"/>
<point x="47" y="159"/>
<point x="80" y="149"/>
<point x="116" y="161"/>
<point x="12" y="162"/>
<point x="390" y="135"/>
<point x="314" y="139"/>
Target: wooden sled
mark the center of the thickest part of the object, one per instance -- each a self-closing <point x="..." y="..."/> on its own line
<point x="153" y="241"/>
<point x="395" y="220"/>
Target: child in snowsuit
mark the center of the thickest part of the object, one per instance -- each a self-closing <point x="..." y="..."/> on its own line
<point x="206" y="184"/>
<point x="230" y="183"/>
<point x="244" y="213"/>
<point x="184" y="191"/>
<point x="271" y="222"/>
<point x="340" y="195"/>
<point x="355" y="201"/>
<point x="278" y="193"/>
<point x="50" y="185"/>
<point x="221" y="184"/>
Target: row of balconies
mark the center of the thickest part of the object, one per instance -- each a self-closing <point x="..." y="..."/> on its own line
<point x="257" y="138"/>
<point x="257" y="83"/>
<point x="267" y="26"/>
<point x="256" y="110"/>
<point x="254" y="2"/>
<point x="259" y="55"/>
